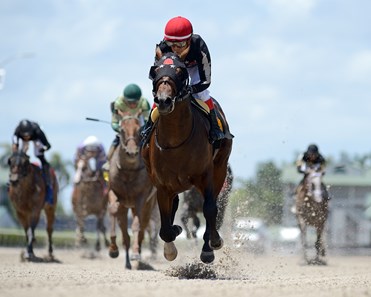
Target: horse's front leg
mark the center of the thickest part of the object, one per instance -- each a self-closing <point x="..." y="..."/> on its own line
<point x="168" y="206"/>
<point x="50" y="218"/>
<point x="320" y="248"/>
<point x="135" y="228"/>
<point x="30" y="239"/>
<point x="113" y="206"/>
<point x="303" y="238"/>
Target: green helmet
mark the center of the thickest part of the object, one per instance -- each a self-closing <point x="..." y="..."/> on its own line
<point x="132" y="93"/>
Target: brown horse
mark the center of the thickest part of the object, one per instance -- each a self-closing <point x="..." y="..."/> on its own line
<point x="193" y="202"/>
<point x="129" y="188"/>
<point x="179" y="155"/>
<point x="27" y="193"/>
<point x="312" y="210"/>
<point x="89" y="197"/>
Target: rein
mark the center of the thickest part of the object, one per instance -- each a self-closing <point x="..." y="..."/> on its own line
<point x="180" y="144"/>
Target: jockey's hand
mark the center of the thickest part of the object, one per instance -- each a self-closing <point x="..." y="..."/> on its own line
<point x="189" y="90"/>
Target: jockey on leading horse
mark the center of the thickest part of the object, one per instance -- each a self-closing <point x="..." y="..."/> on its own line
<point x="27" y="131"/>
<point x="131" y="101"/>
<point x="310" y="161"/>
<point x="193" y="51"/>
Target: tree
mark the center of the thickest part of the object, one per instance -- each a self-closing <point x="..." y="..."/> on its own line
<point x="262" y="196"/>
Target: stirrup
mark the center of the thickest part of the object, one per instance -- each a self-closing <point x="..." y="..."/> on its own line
<point x="144" y="135"/>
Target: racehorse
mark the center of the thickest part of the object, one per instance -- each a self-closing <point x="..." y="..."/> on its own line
<point x="27" y="192"/>
<point x="129" y="188"/>
<point x="89" y="197"/>
<point x="193" y="202"/>
<point x="179" y="155"/>
<point x="312" y="210"/>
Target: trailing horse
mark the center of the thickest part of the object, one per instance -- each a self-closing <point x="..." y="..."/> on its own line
<point x="179" y="155"/>
<point x="129" y="188"/>
<point x="28" y="195"/>
<point x="312" y="210"/>
<point x="89" y="197"/>
<point x="193" y="202"/>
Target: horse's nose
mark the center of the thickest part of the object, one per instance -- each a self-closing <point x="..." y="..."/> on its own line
<point x="132" y="151"/>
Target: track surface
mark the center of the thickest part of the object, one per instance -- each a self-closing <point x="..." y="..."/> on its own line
<point x="237" y="274"/>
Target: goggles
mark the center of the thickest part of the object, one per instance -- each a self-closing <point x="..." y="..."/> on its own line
<point x="176" y="43"/>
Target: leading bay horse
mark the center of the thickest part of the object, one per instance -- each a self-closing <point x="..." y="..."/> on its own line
<point x="27" y="193"/>
<point x="312" y="210"/>
<point x="178" y="155"/>
<point x="129" y="188"/>
<point x="89" y="197"/>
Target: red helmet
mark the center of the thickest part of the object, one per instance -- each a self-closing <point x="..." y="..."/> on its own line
<point x="178" y="29"/>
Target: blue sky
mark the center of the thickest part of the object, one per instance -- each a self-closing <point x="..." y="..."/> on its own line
<point x="287" y="72"/>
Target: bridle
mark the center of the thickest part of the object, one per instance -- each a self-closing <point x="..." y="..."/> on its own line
<point x="20" y="161"/>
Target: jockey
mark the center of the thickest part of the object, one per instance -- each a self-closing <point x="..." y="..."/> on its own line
<point x="310" y="161"/>
<point x="193" y="51"/>
<point x="91" y="147"/>
<point x="130" y="101"/>
<point x="27" y="131"/>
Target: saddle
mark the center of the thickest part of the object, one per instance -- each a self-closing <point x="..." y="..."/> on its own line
<point x="202" y="106"/>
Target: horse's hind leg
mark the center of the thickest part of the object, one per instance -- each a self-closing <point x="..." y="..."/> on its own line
<point x="210" y="212"/>
<point x="196" y="225"/>
<point x="184" y="218"/>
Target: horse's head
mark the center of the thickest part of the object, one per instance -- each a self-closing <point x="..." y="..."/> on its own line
<point x="19" y="163"/>
<point x="129" y="133"/>
<point x="88" y="167"/>
<point x="170" y="79"/>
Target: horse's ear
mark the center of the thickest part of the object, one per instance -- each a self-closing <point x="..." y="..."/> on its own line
<point x="152" y="72"/>
<point x="182" y="73"/>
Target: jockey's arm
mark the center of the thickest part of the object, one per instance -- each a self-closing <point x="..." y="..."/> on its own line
<point x="15" y="143"/>
<point x="115" y="122"/>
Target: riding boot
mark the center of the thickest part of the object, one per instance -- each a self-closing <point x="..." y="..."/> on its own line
<point x="46" y="173"/>
<point x="146" y="131"/>
<point x="215" y="132"/>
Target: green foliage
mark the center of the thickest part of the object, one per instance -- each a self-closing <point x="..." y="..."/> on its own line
<point x="260" y="197"/>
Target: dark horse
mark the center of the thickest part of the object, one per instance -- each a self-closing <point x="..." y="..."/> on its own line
<point x="179" y="155"/>
<point x="129" y="188"/>
<point x="27" y="193"/>
<point x="89" y="197"/>
<point x="312" y="210"/>
<point x="193" y="202"/>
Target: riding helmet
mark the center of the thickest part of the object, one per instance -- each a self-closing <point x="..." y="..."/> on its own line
<point x="178" y="29"/>
<point x="313" y="149"/>
<point x="132" y="93"/>
<point x="91" y="143"/>
<point x="25" y="128"/>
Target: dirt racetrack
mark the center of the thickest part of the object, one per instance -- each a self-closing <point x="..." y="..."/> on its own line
<point x="232" y="274"/>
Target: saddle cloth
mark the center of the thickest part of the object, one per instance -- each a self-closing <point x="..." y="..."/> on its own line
<point x="201" y="105"/>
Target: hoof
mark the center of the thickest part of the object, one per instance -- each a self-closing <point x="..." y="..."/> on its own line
<point x="218" y="246"/>
<point x="113" y="253"/>
<point x="207" y="257"/>
<point x="170" y="251"/>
